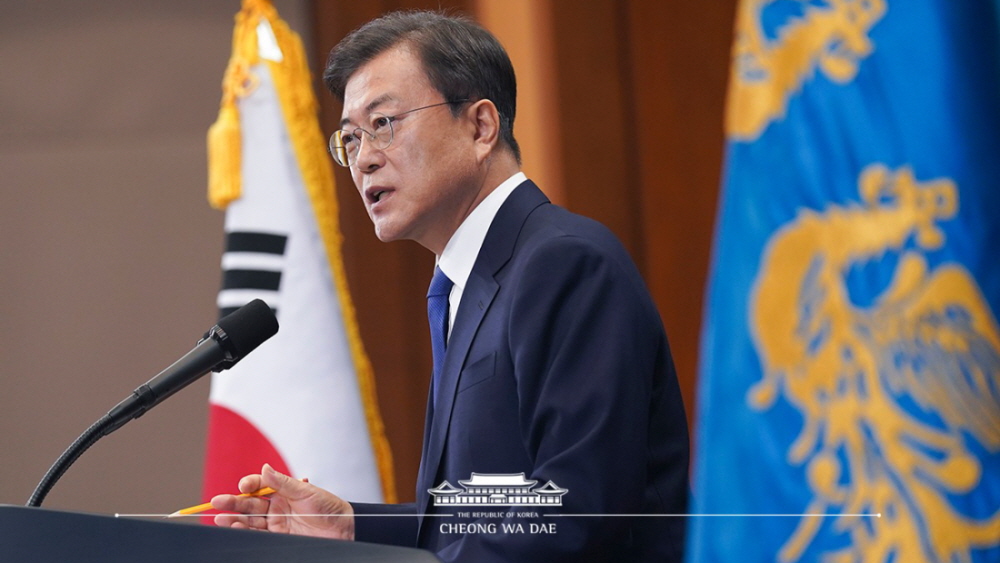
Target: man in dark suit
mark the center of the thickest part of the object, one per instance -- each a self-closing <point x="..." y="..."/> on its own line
<point x="554" y="400"/>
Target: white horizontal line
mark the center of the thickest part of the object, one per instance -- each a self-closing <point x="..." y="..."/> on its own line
<point x="804" y="515"/>
<point x="120" y="515"/>
<point x="876" y="515"/>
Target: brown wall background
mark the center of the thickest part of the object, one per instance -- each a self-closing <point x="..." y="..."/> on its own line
<point x="109" y="253"/>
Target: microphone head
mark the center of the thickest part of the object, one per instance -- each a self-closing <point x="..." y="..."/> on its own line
<point x="243" y="330"/>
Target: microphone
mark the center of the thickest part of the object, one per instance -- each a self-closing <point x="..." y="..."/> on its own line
<point x="225" y="344"/>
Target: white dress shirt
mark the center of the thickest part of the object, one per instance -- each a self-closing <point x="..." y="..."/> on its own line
<point x="463" y="247"/>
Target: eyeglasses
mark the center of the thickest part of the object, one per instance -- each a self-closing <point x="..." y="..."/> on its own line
<point x="346" y="144"/>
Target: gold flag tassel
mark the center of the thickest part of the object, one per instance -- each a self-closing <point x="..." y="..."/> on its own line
<point x="293" y="82"/>
<point x="224" y="138"/>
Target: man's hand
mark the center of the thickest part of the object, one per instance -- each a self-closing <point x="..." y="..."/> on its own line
<point x="296" y="507"/>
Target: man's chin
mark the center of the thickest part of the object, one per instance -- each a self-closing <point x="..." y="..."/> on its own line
<point x="386" y="234"/>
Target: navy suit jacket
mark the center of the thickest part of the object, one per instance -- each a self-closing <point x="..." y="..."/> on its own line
<point x="557" y="367"/>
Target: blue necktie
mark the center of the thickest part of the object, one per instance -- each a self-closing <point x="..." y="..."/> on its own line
<point x="437" y="316"/>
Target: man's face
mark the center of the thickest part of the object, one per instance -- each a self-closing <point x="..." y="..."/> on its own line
<point x="426" y="182"/>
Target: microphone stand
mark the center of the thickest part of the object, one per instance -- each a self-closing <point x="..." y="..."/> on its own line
<point x="207" y="355"/>
<point x="90" y="436"/>
<point x="236" y="335"/>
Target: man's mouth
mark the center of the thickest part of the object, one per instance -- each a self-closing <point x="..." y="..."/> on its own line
<point x="375" y="195"/>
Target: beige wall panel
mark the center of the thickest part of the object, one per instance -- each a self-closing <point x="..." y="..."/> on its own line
<point x="108" y="249"/>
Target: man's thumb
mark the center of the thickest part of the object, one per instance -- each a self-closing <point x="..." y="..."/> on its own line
<point x="271" y="477"/>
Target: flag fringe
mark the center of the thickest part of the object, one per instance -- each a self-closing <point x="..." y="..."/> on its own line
<point x="224" y="136"/>
<point x="299" y="107"/>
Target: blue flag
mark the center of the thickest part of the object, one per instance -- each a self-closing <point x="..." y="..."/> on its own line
<point x="849" y="404"/>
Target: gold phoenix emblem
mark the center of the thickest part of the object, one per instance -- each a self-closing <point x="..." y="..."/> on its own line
<point x="765" y="72"/>
<point x="890" y="391"/>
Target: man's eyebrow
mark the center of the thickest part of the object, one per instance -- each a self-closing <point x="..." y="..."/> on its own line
<point x="370" y="107"/>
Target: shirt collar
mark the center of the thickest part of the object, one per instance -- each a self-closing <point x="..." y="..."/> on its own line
<point x="460" y="253"/>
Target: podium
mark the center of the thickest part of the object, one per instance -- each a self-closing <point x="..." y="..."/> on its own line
<point x="37" y="535"/>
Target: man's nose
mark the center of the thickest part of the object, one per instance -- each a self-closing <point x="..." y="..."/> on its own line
<point x="369" y="157"/>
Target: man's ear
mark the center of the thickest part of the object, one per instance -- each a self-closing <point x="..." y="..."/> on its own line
<point x="485" y="119"/>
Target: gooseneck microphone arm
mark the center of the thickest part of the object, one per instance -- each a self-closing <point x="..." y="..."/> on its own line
<point x="135" y="405"/>
<point x="223" y="345"/>
<point x="72" y="453"/>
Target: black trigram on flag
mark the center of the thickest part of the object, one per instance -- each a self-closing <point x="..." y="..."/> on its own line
<point x="283" y="246"/>
<point x="251" y="268"/>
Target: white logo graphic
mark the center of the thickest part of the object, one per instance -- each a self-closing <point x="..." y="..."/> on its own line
<point x="498" y="489"/>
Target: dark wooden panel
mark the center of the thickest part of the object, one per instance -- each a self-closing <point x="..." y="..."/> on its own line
<point x="595" y="122"/>
<point x="680" y="60"/>
<point x="641" y="88"/>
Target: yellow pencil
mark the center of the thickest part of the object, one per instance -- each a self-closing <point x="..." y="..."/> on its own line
<point x="208" y="506"/>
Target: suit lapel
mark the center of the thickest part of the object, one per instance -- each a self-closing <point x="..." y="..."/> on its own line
<point x="477" y="297"/>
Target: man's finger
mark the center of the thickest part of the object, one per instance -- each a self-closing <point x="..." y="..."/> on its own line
<point x="244" y="505"/>
<point x="293" y="489"/>
<point x="230" y="520"/>
<point x="224" y="502"/>
<point x="250" y="483"/>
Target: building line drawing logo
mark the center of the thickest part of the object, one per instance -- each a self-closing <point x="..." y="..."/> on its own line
<point x="498" y="489"/>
